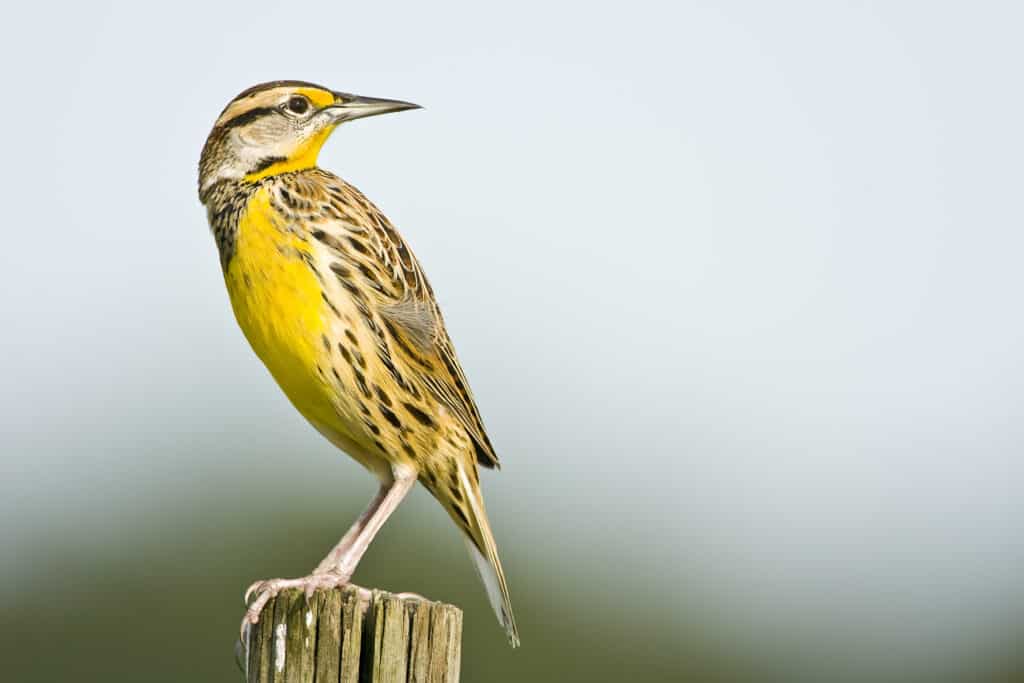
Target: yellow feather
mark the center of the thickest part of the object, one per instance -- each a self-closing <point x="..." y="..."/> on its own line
<point x="277" y="302"/>
<point x="302" y="158"/>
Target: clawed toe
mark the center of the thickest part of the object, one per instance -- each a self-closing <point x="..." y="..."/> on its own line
<point x="257" y="587"/>
<point x="261" y="592"/>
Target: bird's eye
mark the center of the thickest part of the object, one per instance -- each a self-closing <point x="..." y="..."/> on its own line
<point x="298" y="104"/>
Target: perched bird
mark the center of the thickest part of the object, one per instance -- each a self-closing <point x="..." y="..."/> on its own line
<point x="336" y="306"/>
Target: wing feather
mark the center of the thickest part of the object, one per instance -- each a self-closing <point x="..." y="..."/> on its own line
<point x="359" y="233"/>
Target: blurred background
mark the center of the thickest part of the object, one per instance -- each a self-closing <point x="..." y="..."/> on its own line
<point x="737" y="286"/>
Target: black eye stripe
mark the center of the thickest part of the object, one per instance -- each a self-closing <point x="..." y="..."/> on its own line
<point x="259" y="112"/>
<point x="248" y="117"/>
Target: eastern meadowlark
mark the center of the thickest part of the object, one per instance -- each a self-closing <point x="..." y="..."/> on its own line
<point x="336" y="306"/>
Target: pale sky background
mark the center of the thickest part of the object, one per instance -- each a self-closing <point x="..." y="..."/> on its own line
<point x="737" y="286"/>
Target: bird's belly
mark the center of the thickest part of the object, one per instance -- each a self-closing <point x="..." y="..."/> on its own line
<point x="278" y="304"/>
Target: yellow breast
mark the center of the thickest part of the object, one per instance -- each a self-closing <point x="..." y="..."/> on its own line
<point x="278" y="304"/>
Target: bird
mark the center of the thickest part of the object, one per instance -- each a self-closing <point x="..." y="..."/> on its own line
<point x="336" y="306"/>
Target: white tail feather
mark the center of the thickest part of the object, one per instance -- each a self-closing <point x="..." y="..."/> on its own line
<point x="488" y="566"/>
<point x="490" y="580"/>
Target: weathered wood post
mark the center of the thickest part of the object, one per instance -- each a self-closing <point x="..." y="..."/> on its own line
<point x="341" y="637"/>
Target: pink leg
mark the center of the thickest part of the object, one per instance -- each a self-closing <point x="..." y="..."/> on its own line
<point x="330" y="563"/>
<point x="337" y="568"/>
<point x="395" y="494"/>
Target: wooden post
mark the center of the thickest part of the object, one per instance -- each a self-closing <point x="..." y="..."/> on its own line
<point x="340" y="637"/>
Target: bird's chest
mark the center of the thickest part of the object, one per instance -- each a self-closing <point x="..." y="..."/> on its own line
<point x="277" y="301"/>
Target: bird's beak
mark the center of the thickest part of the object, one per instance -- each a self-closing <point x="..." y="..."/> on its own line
<point x="350" y="107"/>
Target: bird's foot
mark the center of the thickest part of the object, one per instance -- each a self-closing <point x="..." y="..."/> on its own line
<point x="269" y="588"/>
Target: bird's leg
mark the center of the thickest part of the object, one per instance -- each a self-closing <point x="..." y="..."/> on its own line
<point x="346" y="564"/>
<point x="330" y="562"/>
<point x="337" y="568"/>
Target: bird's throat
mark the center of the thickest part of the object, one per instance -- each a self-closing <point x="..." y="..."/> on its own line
<point x="303" y="157"/>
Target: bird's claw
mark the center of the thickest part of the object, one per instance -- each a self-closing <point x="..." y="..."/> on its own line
<point x="267" y="589"/>
<point x="254" y="587"/>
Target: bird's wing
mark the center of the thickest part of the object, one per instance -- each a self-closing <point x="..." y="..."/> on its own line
<point x="364" y="241"/>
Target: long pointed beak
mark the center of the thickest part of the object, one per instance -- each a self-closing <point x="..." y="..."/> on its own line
<point x="350" y="107"/>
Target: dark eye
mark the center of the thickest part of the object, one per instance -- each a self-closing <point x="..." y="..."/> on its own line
<point x="298" y="105"/>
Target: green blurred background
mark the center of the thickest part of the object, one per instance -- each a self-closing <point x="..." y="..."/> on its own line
<point x="737" y="286"/>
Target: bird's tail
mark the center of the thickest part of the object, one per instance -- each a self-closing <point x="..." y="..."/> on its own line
<point x="484" y="551"/>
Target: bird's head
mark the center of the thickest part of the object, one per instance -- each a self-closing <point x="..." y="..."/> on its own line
<point x="278" y="127"/>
